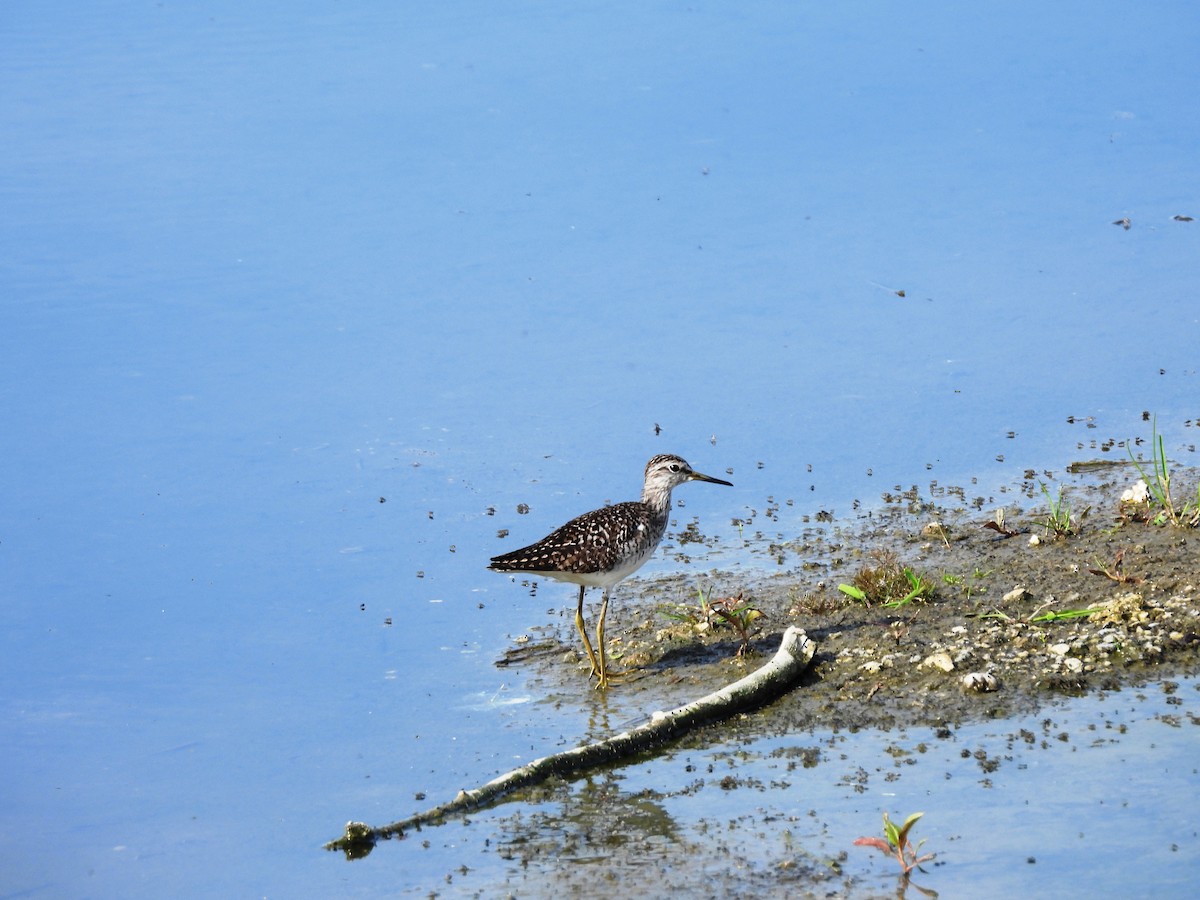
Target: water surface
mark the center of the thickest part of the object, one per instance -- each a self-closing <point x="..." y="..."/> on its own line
<point x="300" y="303"/>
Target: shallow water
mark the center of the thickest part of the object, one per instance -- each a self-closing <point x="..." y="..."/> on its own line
<point x="1034" y="805"/>
<point x="300" y="304"/>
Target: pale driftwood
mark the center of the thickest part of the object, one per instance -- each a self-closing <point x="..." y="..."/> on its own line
<point x="759" y="687"/>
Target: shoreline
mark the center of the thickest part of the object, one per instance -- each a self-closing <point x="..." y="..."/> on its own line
<point x="1009" y="620"/>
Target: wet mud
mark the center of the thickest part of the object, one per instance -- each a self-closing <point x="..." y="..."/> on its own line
<point x="1011" y="617"/>
<point x="1014" y="613"/>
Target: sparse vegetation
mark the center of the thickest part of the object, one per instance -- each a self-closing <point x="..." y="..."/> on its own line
<point x="1037" y="617"/>
<point x="968" y="585"/>
<point x="888" y="583"/>
<point x="739" y="614"/>
<point x="1059" y="520"/>
<point x="895" y="843"/>
<point x="735" y="610"/>
<point x="1158" y="483"/>
<point x="996" y="523"/>
<point x="696" y="615"/>
<point x="1115" y="570"/>
<point x="1062" y="615"/>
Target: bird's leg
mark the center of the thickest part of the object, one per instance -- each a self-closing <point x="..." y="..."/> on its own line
<point x="606" y="675"/>
<point x="603" y="673"/>
<point x="587" y="644"/>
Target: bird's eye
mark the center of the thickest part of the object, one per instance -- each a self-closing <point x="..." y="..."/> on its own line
<point x="674" y="467"/>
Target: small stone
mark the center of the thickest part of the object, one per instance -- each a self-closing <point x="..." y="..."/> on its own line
<point x="940" y="660"/>
<point x="1060" y="649"/>
<point x="1139" y="493"/>
<point x="980" y="682"/>
<point x="871" y="666"/>
<point x="1016" y="595"/>
<point x="1034" y="541"/>
<point x="1073" y="664"/>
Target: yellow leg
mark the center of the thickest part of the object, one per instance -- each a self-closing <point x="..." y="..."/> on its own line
<point x="587" y="645"/>
<point x="600" y="641"/>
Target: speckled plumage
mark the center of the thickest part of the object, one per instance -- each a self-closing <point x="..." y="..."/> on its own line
<point x="605" y="546"/>
<point x="597" y="549"/>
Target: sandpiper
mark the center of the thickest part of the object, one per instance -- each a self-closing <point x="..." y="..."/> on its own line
<point x="605" y="546"/>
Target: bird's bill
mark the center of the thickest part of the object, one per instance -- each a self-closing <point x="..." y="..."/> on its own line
<point x="699" y="476"/>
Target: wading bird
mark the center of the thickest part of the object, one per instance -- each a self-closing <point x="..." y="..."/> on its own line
<point x="605" y="546"/>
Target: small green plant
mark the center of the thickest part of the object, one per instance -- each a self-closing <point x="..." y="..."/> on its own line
<point x="1115" y="571"/>
<point x="734" y="611"/>
<point x="996" y="523"/>
<point x="1059" y="520"/>
<point x="888" y="584"/>
<point x="1158" y="482"/>
<point x="1037" y="617"/>
<point x="692" y="615"/>
<point x="1062" y="615"/>
<point x="738" y="612"/>
<point x="968" y="587"/>
<point x="919" y="589"/>
<point x="895" y="843"/>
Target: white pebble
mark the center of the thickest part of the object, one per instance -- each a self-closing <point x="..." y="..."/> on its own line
<point x="980" y="682"/>
<point x="940" y="660"/>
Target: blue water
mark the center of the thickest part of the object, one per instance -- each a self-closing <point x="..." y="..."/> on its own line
<point x="299" y="302"/>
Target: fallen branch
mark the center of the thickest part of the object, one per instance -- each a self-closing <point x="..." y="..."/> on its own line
<point x="759" y="687"/>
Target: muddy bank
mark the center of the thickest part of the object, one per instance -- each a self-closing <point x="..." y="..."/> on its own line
<point x="1012" y="612"/>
